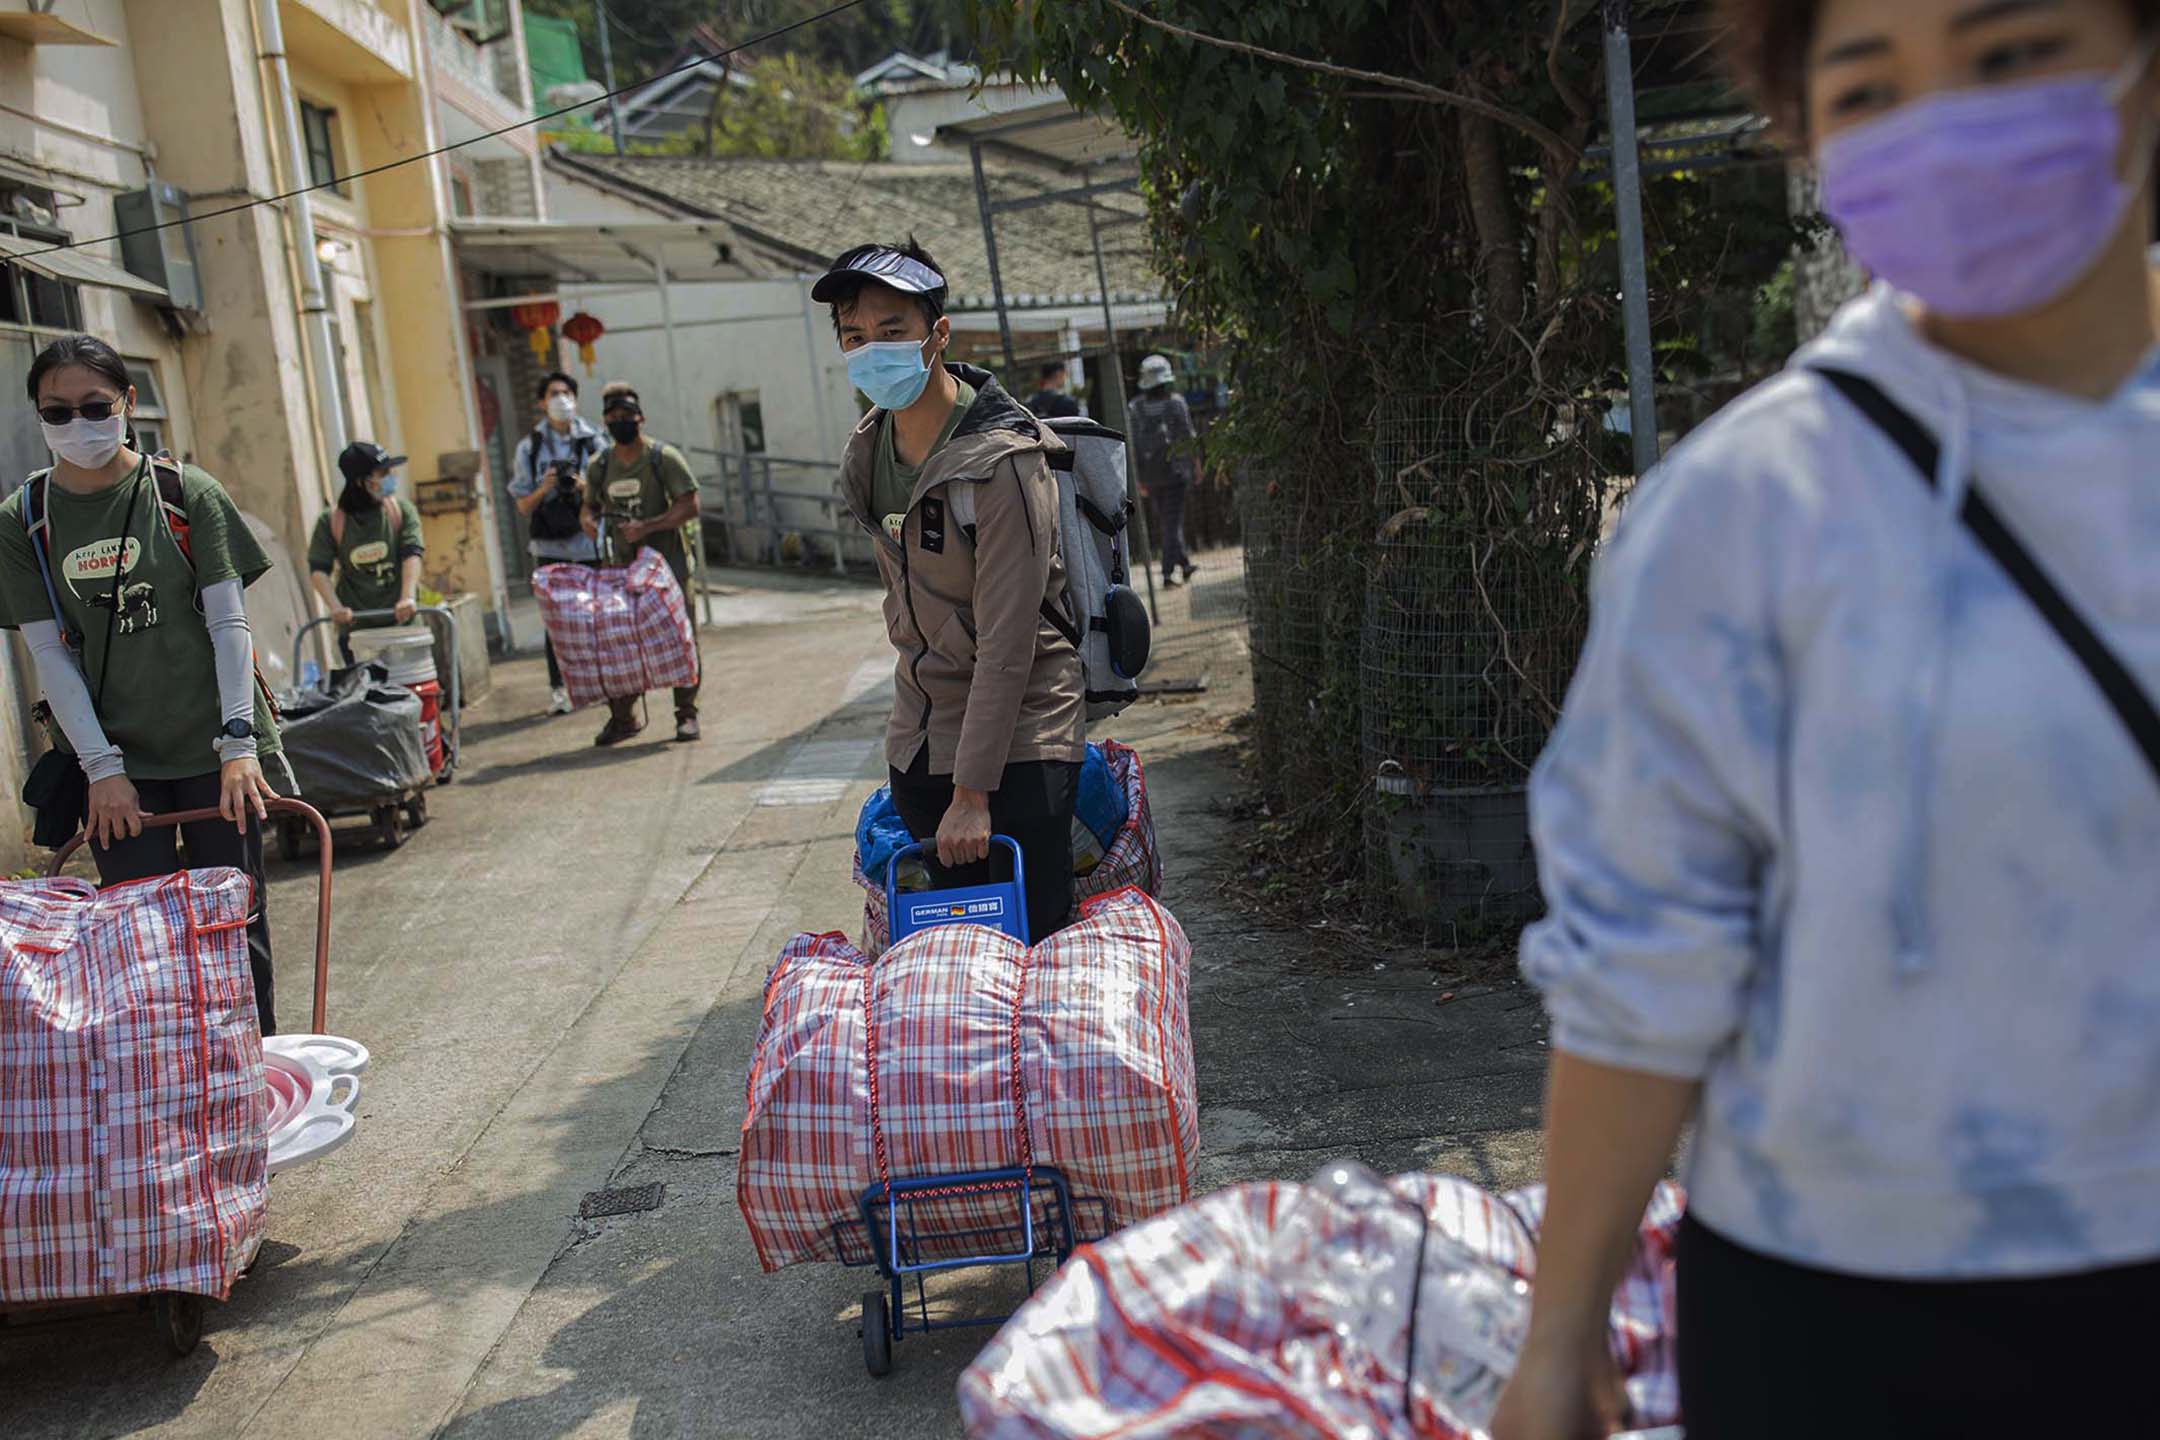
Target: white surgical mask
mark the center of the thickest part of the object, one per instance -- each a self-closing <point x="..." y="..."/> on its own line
<point x="562" y="408"/>
<point x="86" y="444"/>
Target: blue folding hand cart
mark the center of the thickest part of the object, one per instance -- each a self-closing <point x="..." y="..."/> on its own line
<point x="1048" y="1224"/>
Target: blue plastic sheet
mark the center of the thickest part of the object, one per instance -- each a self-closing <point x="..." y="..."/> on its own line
<point x="1098" y="815"/>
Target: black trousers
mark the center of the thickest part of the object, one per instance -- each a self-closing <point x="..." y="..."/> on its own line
<point x="1170" y="512"/>
<point x="209" y="843"/>
<point x="1770" y="1349"/>
<point x="1033" y="804"/>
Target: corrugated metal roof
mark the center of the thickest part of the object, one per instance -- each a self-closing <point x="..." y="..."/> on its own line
<point x="77" y="267"/>
<point x="1052" y="133"/>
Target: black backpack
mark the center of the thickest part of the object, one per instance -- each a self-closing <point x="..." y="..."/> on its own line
<point x="559" y="516"/>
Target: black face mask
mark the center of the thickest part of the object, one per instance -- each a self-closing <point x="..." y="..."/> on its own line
<point x="625" y="431"/>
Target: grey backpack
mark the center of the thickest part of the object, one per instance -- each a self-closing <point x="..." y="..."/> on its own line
<point x="1098" y="612"/>
<point x="1101" y="615"/>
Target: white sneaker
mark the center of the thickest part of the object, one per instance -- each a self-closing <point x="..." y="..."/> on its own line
<point x="558" y="701"/>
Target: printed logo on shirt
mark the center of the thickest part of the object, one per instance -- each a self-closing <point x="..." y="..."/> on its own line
<point x="89" y="574"/>
<point x="894" y="524"/>
<point x="94" y="562"/>
<point x="375" y="552"/>
<point x="625" y="489"/>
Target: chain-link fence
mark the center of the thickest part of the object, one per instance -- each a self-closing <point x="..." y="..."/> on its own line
<point x="1469" y="631"/>
<point x="1303" y="580"/>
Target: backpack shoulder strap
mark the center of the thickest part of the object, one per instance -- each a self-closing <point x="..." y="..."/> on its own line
<point x="37" y="520"/>
<point x="337" y="525"/>
<point x="2114" y="678"/>
<point x="172" y="502"/>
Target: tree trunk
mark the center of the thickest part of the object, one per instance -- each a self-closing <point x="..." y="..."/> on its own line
<point x="1500" y="257"/>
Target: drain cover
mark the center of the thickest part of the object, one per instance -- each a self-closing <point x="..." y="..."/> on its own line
<point x="626" y="1201"/>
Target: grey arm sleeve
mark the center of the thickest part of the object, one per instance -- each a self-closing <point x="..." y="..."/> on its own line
<point x="69" y="696"/>
<point x="225" y="612"/>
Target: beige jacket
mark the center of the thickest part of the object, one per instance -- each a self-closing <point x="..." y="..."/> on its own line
<point x="985" y="680"/>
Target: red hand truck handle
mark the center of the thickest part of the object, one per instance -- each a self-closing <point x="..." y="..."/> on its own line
<point x="297" y="808"/>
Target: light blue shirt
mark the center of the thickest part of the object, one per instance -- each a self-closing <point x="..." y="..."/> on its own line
<point x="1835" y="823"/>
<point x="532" y="463"/>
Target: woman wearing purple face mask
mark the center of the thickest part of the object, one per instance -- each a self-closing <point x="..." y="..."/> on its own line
<point x="1850" y="833"/>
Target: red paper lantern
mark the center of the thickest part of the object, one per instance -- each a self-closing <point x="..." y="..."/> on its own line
<point x="581" y="330"/>
<point x="536" y="318"/>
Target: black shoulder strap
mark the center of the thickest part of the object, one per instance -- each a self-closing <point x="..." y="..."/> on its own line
<point x="2108" y="672"/>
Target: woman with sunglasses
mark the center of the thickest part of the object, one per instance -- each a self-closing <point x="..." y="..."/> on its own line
<point x="1851" y="829"/>
<point x="140" y="636"/>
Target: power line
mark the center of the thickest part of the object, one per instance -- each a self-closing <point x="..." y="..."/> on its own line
<point x="441" y="150"/>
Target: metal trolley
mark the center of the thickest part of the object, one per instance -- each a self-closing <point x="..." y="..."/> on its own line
<point x="395" y="815"/>
<point x="178" y="1315"/>
<point x="1049" y="1223"/>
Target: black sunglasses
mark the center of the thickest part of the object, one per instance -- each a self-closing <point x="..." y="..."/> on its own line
<point x="89" y="410"/>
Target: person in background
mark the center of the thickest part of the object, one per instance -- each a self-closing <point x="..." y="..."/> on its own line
<point x="952" y="478"/>
<point x="141" y="644"/>
<point x="1053" y="399"/>
<point x="547" y="484"/>
<point x="641" y="493"/>
<point x="370" y="540"/>
<point x="1850" y="830"/>
<point x="1163" y="441"/>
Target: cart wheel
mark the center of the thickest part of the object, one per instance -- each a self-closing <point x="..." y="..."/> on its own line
<point x="416" y="813"/>
<point x="390" y="826"/>
<point x="289" y="838"/>
<point x="179" y="1319"/>
<point x="876" y="1334"/>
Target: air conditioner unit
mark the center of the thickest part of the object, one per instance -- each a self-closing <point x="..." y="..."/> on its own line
<point x="164" y="256"/>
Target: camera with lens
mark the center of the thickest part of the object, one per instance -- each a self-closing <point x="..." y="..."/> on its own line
<point x="565" y="476"/>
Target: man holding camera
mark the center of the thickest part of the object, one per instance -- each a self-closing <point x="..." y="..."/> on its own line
<point x="548" y="487"/>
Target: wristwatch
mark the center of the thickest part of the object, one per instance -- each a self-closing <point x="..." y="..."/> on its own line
<point x="236" y="730"/>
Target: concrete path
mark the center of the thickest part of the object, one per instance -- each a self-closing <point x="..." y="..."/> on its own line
<point x="560" y="979"/>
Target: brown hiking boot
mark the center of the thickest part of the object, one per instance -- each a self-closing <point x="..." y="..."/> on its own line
<point x="618" y="729"/>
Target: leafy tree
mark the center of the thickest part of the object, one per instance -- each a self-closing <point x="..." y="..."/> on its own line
<point x="1373" y="255"/>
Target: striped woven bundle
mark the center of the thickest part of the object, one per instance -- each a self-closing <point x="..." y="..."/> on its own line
<point x="1259" y="1312"/>
<point x="963" y="1050"/>
<point x="133" y="1115"/>
<point x="1131" y="862"/>
<point x="618" y="632"/>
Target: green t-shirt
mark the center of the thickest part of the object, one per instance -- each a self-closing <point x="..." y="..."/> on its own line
<point x="366" y="563"/>
<point x="159" y="699"/>
<point x="892" y="484"/>
<point x="643" y="491"/>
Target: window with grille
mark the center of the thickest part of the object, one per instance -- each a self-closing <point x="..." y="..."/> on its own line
<point x="318" y="134"/>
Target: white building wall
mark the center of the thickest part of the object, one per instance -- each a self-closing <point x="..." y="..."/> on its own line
<point x="752" y="338"/>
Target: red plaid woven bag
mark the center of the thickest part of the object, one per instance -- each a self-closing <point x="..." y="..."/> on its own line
<point x="1132" y="861"/>
<point x="963" y="1050"/>
<point x="1257" y="1312"/>
<point x="133" y="1114"/>
<point x="618" y="631"/>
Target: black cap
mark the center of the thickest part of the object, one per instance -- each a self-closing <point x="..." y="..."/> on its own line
<point x="883" y="264"/>
<point x="363" y="458"/>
